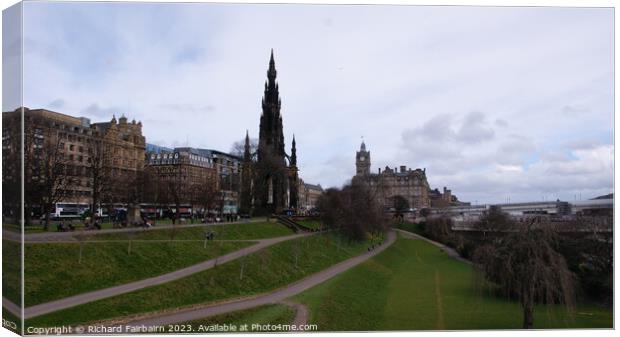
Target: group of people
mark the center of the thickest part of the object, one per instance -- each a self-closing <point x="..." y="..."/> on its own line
<point x="229" y="217"/>
<point x="61" y="227"/>
<point x="90" y="224"/>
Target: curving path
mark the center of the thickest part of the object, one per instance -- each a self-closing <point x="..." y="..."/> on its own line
<point x="11" y="307"/>
<point x="67" y="302"/>
<point x="450" y="251"/>
<point x="301" y="316"/>
<point x="276" y="296"/>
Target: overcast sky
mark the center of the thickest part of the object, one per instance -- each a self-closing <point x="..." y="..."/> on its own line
<point x="494" y="102"/>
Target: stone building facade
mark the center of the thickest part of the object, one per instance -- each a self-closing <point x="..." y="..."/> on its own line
<point x="228" y="172"/>
<point x="182" y="175"/>
<point x="197" y="173"/>
<point x="445" y="199"/>
<point x="411" y="184"/>
<point x="308" y="195"/>
<point x="389" y="183"/>
<point x="64" y="152"/>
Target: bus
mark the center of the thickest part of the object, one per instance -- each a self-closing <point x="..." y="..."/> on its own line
<point x="165" y="211"/>
<point x="64" y="210"/>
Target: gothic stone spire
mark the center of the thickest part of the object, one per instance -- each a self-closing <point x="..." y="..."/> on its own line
<point x="293" y="153"/>
<point x="271" y="183"/>
<point x="271" y="137"/>
<point x="247" y="156"/>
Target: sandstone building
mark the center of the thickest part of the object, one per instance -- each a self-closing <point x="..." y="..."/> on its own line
<point x="389" y="183"/>
<point x="204" y="179"/>
<point x="67" y="159"/>
<point x="308" y="195"/>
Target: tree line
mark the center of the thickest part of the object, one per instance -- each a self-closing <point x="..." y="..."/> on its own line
<point x="51" y="176"/>
<point x="536" y="261"/>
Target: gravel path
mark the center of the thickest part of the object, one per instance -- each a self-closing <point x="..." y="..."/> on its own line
<point x="45" y="308"/>
<point x="450" y="251"/>
<point x="143" y="241"/>
<point x="11" y="307"/>
<point x="269" y="298"/>
<point x="301" y="316"/>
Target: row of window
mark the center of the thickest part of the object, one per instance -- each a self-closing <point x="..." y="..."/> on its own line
<point x="72" y="147"/>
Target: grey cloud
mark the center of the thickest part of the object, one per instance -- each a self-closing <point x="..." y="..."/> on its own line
<point x="501" y="122"/>
<point x="436" y="129"/>
<point x="189" y="54"/>
<point x="94" y="110"/>
<point x="58" y="103"/>
<point x="475" y="129"/>
<point x="582" y="144"/>
<point x="551" y="177"/>
<point x="188" y="108"/>
<point x="575" y="110"/>
<point x="514" y="150"/>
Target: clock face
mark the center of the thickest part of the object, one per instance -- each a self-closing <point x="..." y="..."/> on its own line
<point x="362" y="158"/>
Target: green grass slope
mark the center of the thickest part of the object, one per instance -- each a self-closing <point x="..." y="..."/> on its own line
<point x="53" y="270"/>
<point x="263" y="271"/>
<point x="415" y="286"/>
<point x="238" y="231"/>
<point x="11" y="271"/>
<point x="272" y="314"/>
<point x="314" y="224"/>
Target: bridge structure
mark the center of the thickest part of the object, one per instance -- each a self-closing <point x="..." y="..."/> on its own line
<point x="597" y="213"/>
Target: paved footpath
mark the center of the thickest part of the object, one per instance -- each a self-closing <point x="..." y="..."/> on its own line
<point x="450" y="251"/>
<point x="269" y="298"/>
<point x="11" y="307"/>
<point x="68" y="302"/>
<point x="301" y="314"/>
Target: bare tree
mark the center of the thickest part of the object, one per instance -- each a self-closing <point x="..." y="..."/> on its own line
<point x="493" y="221"/>
<point x="525" y="264"/>
<point x="11" y="171"/>
<point x="400" y="205"/>
<point x="51" y="173"/>
<point x="354" y="210"/>
<point x="100" y="173"/>
<point x="439" y="229"/>
<point x="205" y="194"/>
<point x="238" y="147"/>
<point x="587" y="244"/>
<point x="176" y="189"/>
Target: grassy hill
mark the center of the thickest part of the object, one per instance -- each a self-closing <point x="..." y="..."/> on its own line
<point x="265" y="314"/>
<point x="239" y="231"/>
<point x="11" y="271"/>
<point x="54" y="271"/>
<point x="263" y="271"/>
<point x="415" y="286"/>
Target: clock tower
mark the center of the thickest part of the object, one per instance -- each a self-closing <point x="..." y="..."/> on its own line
<point x="362" y="161"/>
